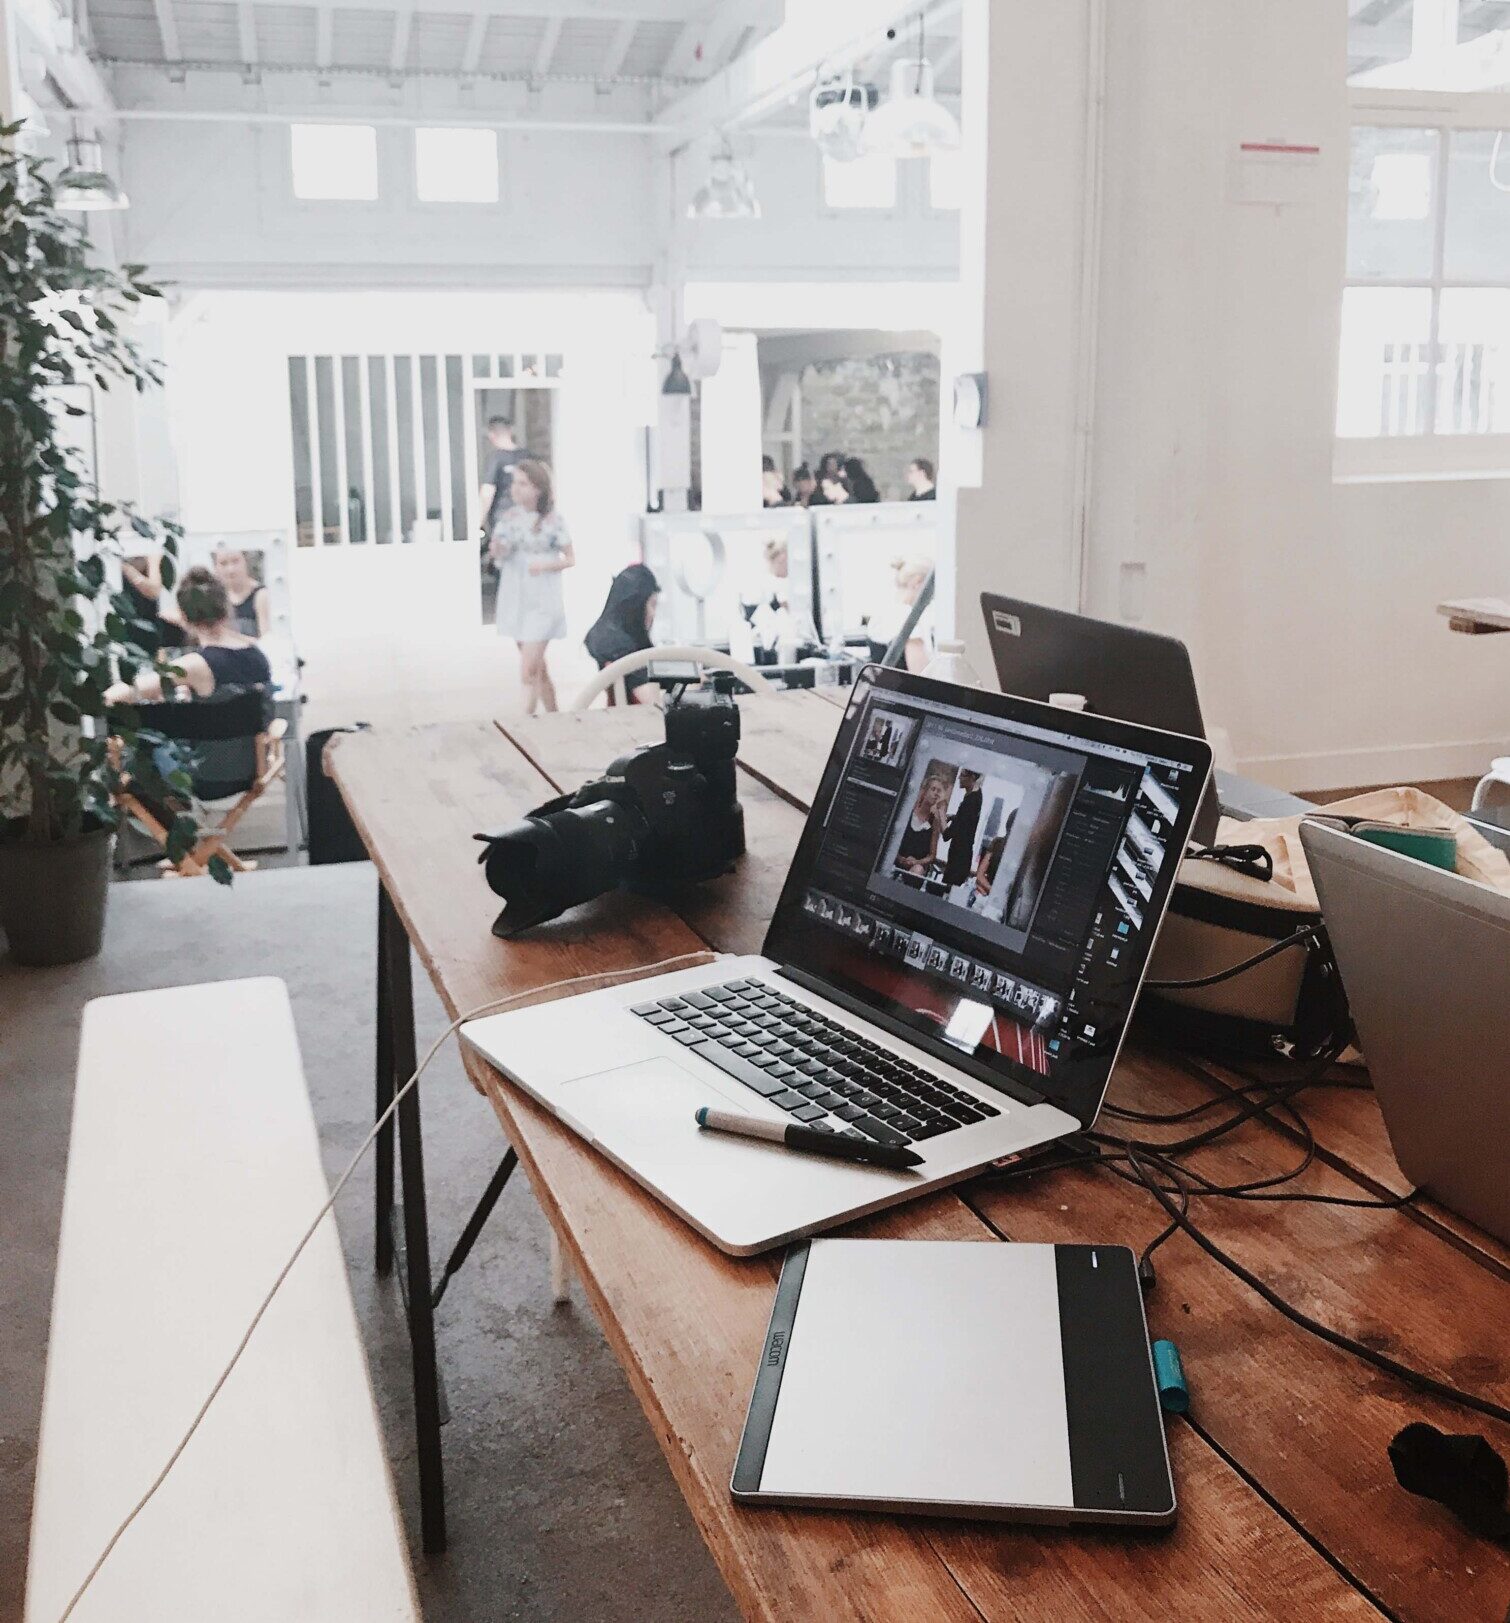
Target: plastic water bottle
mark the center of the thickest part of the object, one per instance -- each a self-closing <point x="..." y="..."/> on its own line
<point x="950" y="665"/>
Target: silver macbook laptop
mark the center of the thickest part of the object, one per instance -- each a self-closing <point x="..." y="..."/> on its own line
<point x="1141" y="676"/>
<point x="1425" y="962"/>
<point x="951" y="966"/>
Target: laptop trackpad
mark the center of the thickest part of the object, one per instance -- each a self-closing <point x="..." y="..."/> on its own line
<point x="738" y="1189"/>
<point x="646" y="1101"/>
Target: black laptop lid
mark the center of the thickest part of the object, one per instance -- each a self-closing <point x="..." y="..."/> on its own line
<point x="1140" y="676"/>
<point x="987" y="875"/>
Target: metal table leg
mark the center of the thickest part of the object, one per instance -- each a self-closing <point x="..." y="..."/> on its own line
<point x="384" y="1150"/>
<point x="398" y="1013"/>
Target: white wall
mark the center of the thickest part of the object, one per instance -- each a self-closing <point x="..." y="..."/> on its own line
<point x="1308" y="604"/>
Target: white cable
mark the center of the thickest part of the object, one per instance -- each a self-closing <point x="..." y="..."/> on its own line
<point x="472" y="1014"/>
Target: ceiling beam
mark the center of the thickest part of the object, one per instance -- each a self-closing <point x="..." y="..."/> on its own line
<point x="704" y="40"/>
<point x="546" y="52"/>
<point x="246" y="27"/>
<point x="325" y="27"/>
<point x="471" y="53"/>
<point x="618" y="49"/>
<point x="399" y="55"/>
<point x="765" y="75"/>
<point x="167" y="28"/>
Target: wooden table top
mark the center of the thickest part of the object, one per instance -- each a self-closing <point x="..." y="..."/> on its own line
<point x="1288" y="1504"/>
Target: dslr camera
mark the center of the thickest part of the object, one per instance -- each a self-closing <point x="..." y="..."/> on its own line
<point x="660" y="817"/>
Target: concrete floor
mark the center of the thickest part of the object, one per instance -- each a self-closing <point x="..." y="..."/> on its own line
<point x="560" y="1503"/>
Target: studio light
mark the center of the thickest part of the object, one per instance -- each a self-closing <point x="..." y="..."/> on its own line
<point x="728" y="194"/>
<point x="84" y="184"/>
<point x="836" y="115"/>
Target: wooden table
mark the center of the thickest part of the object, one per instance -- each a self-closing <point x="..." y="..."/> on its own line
<point x="1288" y="1505"/>
<point x="1477" y="616"/>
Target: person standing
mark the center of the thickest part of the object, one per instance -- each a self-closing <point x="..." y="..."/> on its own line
<point x="862" y="488"/>
<point x="920" y="476"/>
<point x="495" y="496"/>
<point x="532" y="549"/>
<point x="959" y="865"/>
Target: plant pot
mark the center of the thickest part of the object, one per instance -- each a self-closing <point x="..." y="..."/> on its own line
<point x="52" y="895"/>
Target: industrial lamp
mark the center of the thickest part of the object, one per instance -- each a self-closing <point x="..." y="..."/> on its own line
<point x="84" y="184"/>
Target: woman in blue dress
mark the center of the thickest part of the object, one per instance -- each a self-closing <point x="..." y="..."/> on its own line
<point x="531" y="547"/>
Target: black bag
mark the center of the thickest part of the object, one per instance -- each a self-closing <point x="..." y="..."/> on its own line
<point x="333" y="836"/>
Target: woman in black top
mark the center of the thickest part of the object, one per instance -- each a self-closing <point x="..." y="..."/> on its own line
<point x="224" y="658"/>
<point x="247" y="596"/>
<point x="862" y="488"/>
<point x="624" y="625"/>
<point x="925" y="825"/>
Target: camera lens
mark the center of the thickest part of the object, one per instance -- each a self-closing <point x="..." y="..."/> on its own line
<point x="544" y="865"/>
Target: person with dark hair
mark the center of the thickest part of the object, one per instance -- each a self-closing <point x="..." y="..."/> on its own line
<point x="804" y="485"/>
<point x="862" y="488"/>
<point x="960" y="831"/>
<point x="624" y="625"/>
<point x="223" y="658"/>
<point x="830" y="463"/>
<point x="153" y="624"/>
<point x="920" y="476"/>
<point x="496" y="495"/>
<point x="531" y="548"/>
<point x="834" y="490"/>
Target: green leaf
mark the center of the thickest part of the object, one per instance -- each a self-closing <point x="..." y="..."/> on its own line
<point x="220" y="870"/>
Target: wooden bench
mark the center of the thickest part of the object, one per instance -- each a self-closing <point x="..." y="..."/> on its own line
<point x="193" y="1169"/>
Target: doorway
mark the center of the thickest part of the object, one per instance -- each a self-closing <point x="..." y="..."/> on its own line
<point x="522" y="391"/>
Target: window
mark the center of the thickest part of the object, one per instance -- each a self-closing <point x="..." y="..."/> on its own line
<point x="335" y="162"/>
<point x="1426" y="310"/>
<point x="1427" y="44"/>
<point x="945" y="175"/>
<point x="456" y="166"/>
<point x="867" y="182"/>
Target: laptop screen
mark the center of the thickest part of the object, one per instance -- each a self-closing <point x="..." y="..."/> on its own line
<point x="989" y="874"/>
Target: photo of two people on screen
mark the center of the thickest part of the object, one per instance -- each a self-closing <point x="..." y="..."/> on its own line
<point x="977" y="834"/>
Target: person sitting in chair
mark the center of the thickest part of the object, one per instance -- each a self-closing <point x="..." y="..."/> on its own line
<point x="624" y="627"/>
<point x="224" y="657"/>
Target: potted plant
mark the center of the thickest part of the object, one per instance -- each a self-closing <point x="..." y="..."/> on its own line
<point x="65" y="633"/>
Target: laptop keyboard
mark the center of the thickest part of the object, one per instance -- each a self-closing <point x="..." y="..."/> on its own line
<point x="823" y="1074"/>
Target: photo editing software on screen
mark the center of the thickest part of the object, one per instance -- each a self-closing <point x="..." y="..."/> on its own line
<point x="990" y="878"/>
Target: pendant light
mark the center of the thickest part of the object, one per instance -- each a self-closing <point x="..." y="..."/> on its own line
<point x="84" y="184"/>
<point x="912" y="122"/>
<point x="727" y="194"/>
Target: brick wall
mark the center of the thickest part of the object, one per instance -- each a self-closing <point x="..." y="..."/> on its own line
<point x="883" y="409"/>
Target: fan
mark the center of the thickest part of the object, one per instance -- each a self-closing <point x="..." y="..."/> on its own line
<point x="702" y="347"/>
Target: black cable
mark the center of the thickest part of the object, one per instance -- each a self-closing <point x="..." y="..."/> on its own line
<point x="1306" y="934"/>
<point x="1179" y="1218"/>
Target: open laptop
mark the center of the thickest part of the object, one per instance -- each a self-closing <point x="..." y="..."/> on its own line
<point x="1139" y="676"/>
<point x="1425" y="962"/>
<point x="951" y="965"/>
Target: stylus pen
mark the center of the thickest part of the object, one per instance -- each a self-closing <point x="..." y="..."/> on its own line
<point x="797" y="1137"/>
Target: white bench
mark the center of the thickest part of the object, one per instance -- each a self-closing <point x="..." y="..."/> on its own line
<point x="192" y="1171"/>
